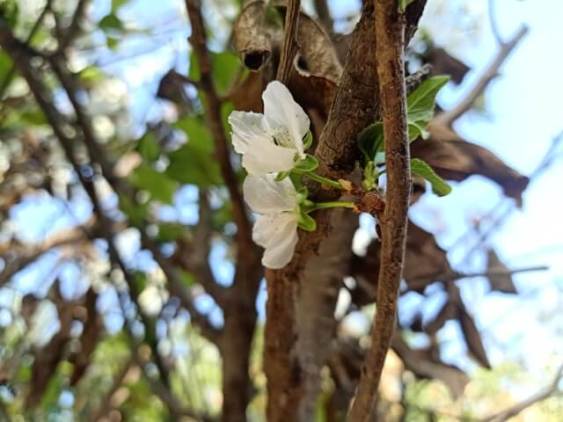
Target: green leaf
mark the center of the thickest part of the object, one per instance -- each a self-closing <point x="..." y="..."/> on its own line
<point x="308" y="140"/>
<point x="421" y="102"/>
<point x="168" y="232"/>
<point x="117" y="4"/>
<point x="9" y="12"/>
<point x="282" y="175"/>
<point x="5" y="65"/>
<point x="370" y="140"/>
<point x="193" y="71"/>
<point x="159" y="185"/>
<point x="416" y="131"/>
<point x="370" y="176"/>
<point x="148" y="147"/>
<point x="439" y="186"/>
<point x="111" y="23"/>
<point x="307" y="165"/>
<point x="136" y="213"/>
<point x="307" y="223"/>
<point x="193" y="162"/>
<point x="226" y="67"/>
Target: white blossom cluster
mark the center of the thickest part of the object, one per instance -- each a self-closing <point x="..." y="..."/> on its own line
<point x="272" y="143"/>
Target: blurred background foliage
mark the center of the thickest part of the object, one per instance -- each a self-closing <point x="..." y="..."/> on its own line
<point x="79" y="335"/>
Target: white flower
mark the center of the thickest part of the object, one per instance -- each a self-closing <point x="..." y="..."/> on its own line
<point x="273" y="141"/>
<point x="276" y="226"/>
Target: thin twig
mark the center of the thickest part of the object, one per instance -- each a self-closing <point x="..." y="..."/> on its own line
<point x="447" y="118"/>
<point x="289" y="47"/>
<point x="420" y="282"/>
<point x="536" y="398"/>
<point x="494" y="23"/>
<point x="498" y="218"/>
<point x="390" y="39"/>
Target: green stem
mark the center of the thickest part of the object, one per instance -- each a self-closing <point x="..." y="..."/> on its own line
<point x="324" y="180"/>
<point x="333" y="204"/>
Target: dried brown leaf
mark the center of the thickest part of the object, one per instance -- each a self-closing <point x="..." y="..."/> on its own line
<point x="499" y="282"/>
<point x="458" y="160"/>
<point x="423" y="364"/>
<point x="472" y="337"/>
<point x="445" y="64"/>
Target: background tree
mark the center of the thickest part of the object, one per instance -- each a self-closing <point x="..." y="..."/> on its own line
<point x="131" y="287"/>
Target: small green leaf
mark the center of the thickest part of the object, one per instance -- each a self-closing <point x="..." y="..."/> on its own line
<point x="370" y="140"/>
<point x="111" y="23"/>
<point x="416" y="131"/>
<point x="148" y="147"/>
<point x="307" y="223"/>
<point x="370" y="176"/>
<point x="421" y="102"/>
<point x="282" y="175"/>
<point x="307" y="165"/>
<point x="439" y="186"/>
<point x="116" y="4"/>
<point x="308" y="140"/>
<point x="225" y="67"/>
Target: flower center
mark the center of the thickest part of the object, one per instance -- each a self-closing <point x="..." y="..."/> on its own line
<point x="282" y="138"/>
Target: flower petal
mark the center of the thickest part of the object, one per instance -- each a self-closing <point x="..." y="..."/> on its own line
<point x="248" y="131"/>
<point x="277" y="233"/>
<point x="268" y="158"/>
<point x="265" y="195"/>
<point x="281" y="111"/>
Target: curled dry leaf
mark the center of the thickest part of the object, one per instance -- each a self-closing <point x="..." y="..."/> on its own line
<point x="497" y="280"/>
<point x="458" y="160"/>
<point x="424" y="364"/>
<point x="445" y="64"/>
<point x="425" y="260"/>
<point x="253" y="33"/>
<point x="258" y="34"/>
<point x="425" y="263"/>
<point x="472" y="337"/>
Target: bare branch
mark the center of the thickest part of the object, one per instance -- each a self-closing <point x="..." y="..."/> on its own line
<point x="422" y="281"/>
<point x="389" y="33"/>
<point x="289" y="47"/>
<point x="212" y="105"/>
<point x="449" y="117"/>
<point x="550" y="390"/>
<point x="73" y="29"/>
<point x="25" y="255"/>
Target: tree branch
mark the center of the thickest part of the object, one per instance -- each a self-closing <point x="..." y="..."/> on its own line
<point x="389" y="30"/>
<point x="73" y="29"/>
<point x="422" y="281"/>
<point x="212" y="107"/>
<point x="536" y="398"/>
<point x="449" y="117"/>
<point x="289" y="47"/>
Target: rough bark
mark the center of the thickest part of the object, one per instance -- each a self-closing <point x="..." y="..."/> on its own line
<point x="389" y="29"/>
